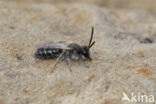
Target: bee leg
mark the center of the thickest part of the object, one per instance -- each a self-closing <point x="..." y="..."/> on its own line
<point x="81" y="58"/>
<point x="68" y="61"/>
<point x="59" y="59"/>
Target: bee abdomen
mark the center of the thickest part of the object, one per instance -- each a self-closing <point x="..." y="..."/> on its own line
<point x="47" y="53"/>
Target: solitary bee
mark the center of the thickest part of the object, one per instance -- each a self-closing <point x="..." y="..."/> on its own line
<point x="72" y="51"/>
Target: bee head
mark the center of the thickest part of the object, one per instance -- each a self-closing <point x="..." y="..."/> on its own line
<point x="86" y="52"/>
<point x="86" y="49"/>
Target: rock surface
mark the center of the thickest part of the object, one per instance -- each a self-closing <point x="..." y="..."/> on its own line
<point x="124" y="56"/>
<point x="148" y="5"/>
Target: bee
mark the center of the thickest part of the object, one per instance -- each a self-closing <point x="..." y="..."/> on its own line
<point x="72" y="51"/>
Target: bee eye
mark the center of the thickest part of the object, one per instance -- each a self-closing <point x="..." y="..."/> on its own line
<point x="84" y="52"/>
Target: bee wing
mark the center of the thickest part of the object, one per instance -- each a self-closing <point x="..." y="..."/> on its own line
<point x="52" y="45"/>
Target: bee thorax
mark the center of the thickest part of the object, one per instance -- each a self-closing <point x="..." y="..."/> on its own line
<point x="75" y="57"/>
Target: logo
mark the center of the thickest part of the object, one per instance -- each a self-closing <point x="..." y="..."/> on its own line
<point x="138" y="98"/>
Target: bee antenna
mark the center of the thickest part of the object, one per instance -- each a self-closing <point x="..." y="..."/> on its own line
<point x="90" y="42"/>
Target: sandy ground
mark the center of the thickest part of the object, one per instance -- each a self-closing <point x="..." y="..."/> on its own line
<point x="124" y="56"/>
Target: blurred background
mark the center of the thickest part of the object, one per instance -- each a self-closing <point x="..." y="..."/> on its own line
<point x="148" y="5"/>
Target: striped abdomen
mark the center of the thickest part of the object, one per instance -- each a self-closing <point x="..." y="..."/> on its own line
<point x="43" y="53"/>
